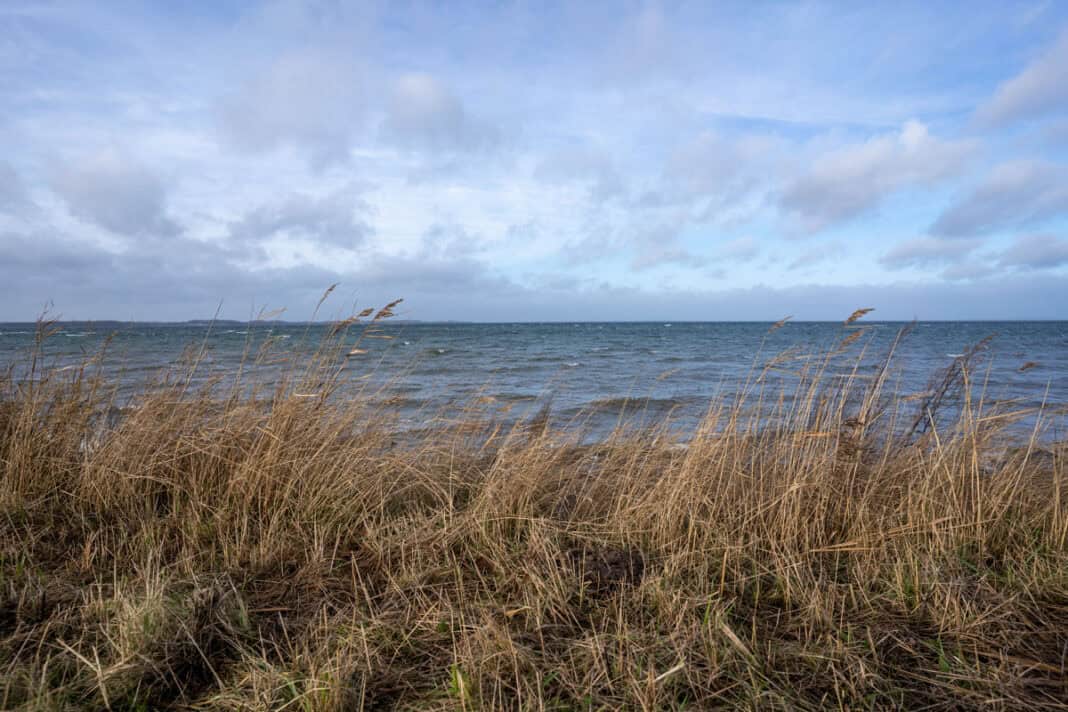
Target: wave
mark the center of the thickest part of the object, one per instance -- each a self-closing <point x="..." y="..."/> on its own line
<point x="405" y="402"/>
<point x="403" y="387"/>
<point x="510" y="397"/>
<point x="634" y="404"/>
<point x="517" y="368"/>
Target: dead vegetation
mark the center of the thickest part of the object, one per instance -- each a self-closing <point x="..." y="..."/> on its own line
<point x="283" y="550"/>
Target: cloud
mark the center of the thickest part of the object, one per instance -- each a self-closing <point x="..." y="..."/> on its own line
<point x="742" y="249"/>
<point x="39" y="257"/>
<point x="13" y="196"/>
<point x="652" y="240"/>
<point x="187" y="279"/>
<point x="1055" y="134"/>
<point x="424" y="115"/>
<point x="850" y="181"/>
<point x="1014" y="194"/>
<point x="1035" y="252"/>
<point x="659" y="256"/>
<point x="582" y="165"/>
<point x="1030" y="252"/>
<point x="117" y="193"/>
<point x="968" y="270"/>
<point x="708" y="180"/>
<point x="620" y="146"/>
<point x="642" y="47"/>
<point x="453" y="240"/>
<point x="925" y="251"/>
<point x="411" y="276"/>
<point x="91" y="283"/>
<point x="333" y="219"/>
<point x="814" y="256"/>
<point x="1038" y="90"/>
<point x="309" y="99"/>
<point x="713" y="164"/>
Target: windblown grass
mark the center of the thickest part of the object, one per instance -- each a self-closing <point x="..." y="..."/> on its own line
<point x="251" y="550"/>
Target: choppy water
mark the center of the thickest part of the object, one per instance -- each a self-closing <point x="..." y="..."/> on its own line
<point x="672" y="368"/>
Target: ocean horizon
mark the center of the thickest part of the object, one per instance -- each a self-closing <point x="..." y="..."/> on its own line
<point x="591" y="373"/>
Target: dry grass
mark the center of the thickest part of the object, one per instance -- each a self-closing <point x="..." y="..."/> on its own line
<point x="285" y="550"/>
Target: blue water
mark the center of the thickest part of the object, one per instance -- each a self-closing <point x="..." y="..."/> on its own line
<point x="662" y="368"/>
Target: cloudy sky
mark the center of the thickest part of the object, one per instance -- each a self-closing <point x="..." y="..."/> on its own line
<point x="533" y="161"/>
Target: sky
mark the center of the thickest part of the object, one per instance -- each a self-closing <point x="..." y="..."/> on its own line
<point x="534" y="161"/>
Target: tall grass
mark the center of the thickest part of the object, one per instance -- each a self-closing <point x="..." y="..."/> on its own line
<point x="234" y="548"/>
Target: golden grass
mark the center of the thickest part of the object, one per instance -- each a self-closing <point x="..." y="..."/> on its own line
<point x="288" y="550"/>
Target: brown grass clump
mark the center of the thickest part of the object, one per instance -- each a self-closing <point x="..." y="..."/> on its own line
<point x="287" y="550"/>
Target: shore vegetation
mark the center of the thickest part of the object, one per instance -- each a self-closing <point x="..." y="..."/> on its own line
<point x="215" y="544"/>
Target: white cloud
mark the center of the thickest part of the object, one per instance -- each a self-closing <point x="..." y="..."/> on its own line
<point x="13" y="197"/>
<point x="742" y="249"/>
<point x="968" y="270"/>
<point x="654" y="256"/>
<point x="337" y="219"/>
<point x="1041" y="88"/>
<point x="1013" y="194"/>
<point x="725" y="167"/>
<point x="1036" y="252"/>
<point x="850" y="181"/>
<point x="582" y="165"/>
<point x="815" y="255"/>
<point x="423" y="114"/>
<point x="642" y="48"/>
<point x="924" y="251"/>
<point x="310" y="99"/>
<point x="115" y="192"/>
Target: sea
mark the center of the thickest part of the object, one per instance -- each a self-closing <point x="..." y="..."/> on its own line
<point x="588" y="373"/>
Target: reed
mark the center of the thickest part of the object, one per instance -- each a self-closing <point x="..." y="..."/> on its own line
<point x="236" y="548"/>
